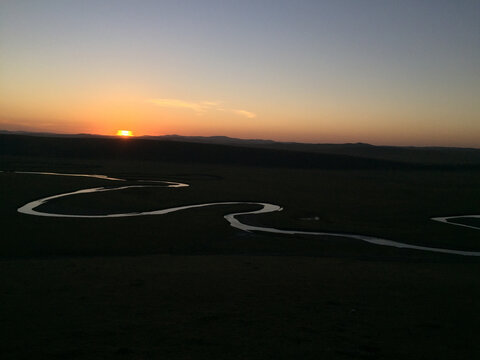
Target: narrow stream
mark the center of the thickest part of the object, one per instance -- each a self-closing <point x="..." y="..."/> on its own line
<point x="231" y="218"/>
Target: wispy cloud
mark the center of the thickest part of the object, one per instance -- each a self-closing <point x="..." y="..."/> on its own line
<point x="199" y="107"/>
<point x="245" y="113"/>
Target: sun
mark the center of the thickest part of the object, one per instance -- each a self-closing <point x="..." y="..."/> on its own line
<point x="124" y="133"/>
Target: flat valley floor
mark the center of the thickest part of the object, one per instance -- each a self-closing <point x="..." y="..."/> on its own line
<point x="188" y="286"/>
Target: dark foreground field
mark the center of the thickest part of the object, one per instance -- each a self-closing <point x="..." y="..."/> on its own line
<point x="187" y="285"/>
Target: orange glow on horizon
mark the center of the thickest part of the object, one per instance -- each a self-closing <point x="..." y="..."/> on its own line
<point x="124" y="133"/>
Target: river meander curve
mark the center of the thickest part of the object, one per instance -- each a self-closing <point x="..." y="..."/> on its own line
<point x="30" y="209"/>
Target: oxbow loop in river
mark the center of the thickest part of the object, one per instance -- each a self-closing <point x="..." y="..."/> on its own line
<point x="231" y="218"/>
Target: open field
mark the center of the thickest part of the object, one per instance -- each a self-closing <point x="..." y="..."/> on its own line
<point x="255" y="307"/>
<point x="187" y="285"/>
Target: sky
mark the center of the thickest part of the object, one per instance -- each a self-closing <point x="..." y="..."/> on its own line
<point x="382" y="72"/>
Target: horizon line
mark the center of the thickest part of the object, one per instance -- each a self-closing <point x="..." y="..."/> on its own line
<point x="47" y="133"/>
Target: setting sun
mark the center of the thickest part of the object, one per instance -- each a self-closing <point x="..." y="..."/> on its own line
<point x="124" y="133"/>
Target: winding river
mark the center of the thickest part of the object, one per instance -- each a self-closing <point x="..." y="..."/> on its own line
<point x="30" y="209"/>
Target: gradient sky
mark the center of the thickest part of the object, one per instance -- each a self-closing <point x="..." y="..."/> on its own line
<point x="384" y="72"/>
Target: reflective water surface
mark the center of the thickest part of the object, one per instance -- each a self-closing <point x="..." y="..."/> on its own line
<point x="451" y="220"/>
<point x="231" y="218"/>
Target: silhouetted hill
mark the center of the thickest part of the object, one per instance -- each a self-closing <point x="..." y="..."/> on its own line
<point x="49" y="134"/>
<point x="184" y="152"/>
<point x="223" y="140"/>
<point x="388" y="154"/>
<point x="411" y="154"/>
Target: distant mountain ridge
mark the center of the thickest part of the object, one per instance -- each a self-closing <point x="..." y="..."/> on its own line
<point x="409" y="154"/>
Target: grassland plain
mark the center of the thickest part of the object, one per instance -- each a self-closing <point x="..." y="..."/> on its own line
<point x="186" y="285"/>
